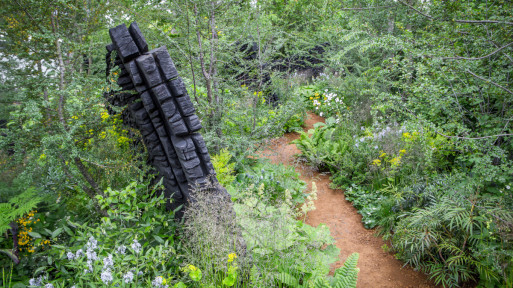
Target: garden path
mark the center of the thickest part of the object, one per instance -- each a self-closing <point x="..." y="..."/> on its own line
<point x="377" y="268"/>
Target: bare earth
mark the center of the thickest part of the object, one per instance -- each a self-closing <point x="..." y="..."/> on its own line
<point x="377" y="268"/>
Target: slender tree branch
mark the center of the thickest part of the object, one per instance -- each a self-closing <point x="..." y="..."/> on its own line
<point x="479" y="58"/>
<point x="490" y="81"/>
<point x="367" y="8"/>
<point x="24" y="7"/>
<point x="505" y="54"/>
<point x="86" y="189"/>
<point x="87" y="176"/>
<point x="190" y="54"/>
<point x="472" y="138"/>
<point x="62" y="70"/>
<point x="202" y="56"/>
<point x="455" y="20"/>
<point x="483" y="22"/>
<point x="418" y="11"/>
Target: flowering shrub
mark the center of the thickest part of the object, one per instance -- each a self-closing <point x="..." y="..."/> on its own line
<point x="133" y="247"/>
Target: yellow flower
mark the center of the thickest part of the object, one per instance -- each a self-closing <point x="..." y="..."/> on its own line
<point x="406" y="135"/>
<point x="383" y="154"/>
<point x="104" y="115"/>
<point x="231" y="257"/>
<point x="376" y="162"/>
<point x="395" y="161"/>
<point x="192" y="268"/>
<point x="311" y="98"/>
<point x="402" y="151"/>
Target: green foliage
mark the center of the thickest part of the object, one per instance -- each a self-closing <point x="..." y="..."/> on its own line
<point x="224" y="169"/>
<point x="271" y="183"/>
<point x="286" y="250"/>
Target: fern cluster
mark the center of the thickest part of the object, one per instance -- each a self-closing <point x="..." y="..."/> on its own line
<point x="444" y="239"/>
<point x="344" y="277"/>
<point x="16" y="207"/>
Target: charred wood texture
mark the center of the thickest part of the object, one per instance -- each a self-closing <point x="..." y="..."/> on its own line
<point x="157" y="103"/>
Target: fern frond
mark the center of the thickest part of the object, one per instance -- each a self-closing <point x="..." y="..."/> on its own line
<point x="347" y="275"/>
<point x="17" y="207"/>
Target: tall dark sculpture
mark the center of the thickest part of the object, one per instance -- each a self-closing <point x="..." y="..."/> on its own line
<point x="161" y="109"/>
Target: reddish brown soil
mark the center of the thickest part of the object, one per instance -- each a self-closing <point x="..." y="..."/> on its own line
<point x="377" y="268"/>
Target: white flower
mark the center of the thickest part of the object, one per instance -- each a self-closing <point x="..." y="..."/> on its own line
<point x="106" y="276"/>
<point x="92" y="243"/>
<point x="49" y="285"/>
<point x="108" y="261"/>
<point x="70" y="256"/>
<point x="128" y="277"/>
<point x="320" y="114"/>
<point x="36" y="282"/>
<point x="376" y="147"/>
<point x="121" y="249"/>
<point x="136" y="246"/>
<point x="507" y="187"/>
<point x="91" y="254"/>
<point x="79" y="253"/>
<point x="89" y="266"/>
<point x="356" y="145"/>
<point x="158" y="282"/>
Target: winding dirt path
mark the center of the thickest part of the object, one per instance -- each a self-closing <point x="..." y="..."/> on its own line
<point x="377" y="268"/>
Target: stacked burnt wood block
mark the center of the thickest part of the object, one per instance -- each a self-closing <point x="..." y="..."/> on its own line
<point x="161" y="109"/>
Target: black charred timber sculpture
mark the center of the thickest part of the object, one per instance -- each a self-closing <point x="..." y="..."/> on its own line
<point x="163" y="112"/>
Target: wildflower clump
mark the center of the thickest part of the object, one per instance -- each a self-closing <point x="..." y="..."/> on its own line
<point x="327" y="103"/>
<point x="25" y="241"/>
